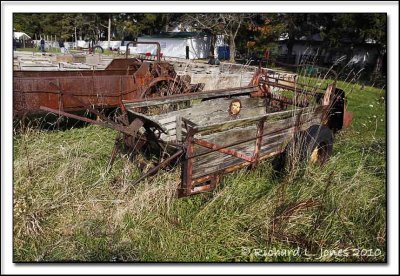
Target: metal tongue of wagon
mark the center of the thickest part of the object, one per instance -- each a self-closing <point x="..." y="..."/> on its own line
<point x="211" y="133"/>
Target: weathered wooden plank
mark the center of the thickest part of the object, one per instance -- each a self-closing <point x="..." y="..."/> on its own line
<point x="215" y="161"/>
<point x="186" y="97"/>
<point x="223" y="126"/>
<point x="244" y="147"/>
<point x="247" y="146"/>
<point x="148" y="120"/>
<point x="194" y="110"/>
<point x="249" y="133"/>
<point x="226" y="138"/>
<point x="178" y="128"/>
<point x="172" y="131"/>
<point x="168" y="137"/>
<point x="170" y="126"/>
<point x="228" y="161"/>
<point x="207" y="107"/>
<point x="165" y="120"/>
<point x="207" y="113"/>
<point x="224" y="116"/>
<point x="237" y="134"/>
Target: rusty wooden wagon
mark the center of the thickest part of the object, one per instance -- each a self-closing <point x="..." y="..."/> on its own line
<point x="211" y="133"/>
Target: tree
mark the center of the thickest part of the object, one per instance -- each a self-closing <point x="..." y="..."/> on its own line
<point x="263" y="33"/>
<point x="227" y="24"/>
<point x="107" y="27"/>
<point x="230" y="25"/>
<point x="66" y="28"/>
<point x="351" y="29"/>
<point x="297" y="25"/>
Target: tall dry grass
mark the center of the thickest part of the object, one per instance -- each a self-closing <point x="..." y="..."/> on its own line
<point x="66" y="208"/>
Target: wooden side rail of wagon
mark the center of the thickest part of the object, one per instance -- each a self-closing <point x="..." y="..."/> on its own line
<point x="216" y="149"/>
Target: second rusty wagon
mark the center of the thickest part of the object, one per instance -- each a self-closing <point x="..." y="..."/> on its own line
<point x="75" y="90"/>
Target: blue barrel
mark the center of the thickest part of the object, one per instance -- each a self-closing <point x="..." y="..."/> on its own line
<point x="223" y="52"/>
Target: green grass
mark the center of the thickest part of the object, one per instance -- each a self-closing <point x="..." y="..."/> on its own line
<point x="67" y="209"/>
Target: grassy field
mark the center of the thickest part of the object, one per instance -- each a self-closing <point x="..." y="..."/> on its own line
<point x="67" y="209"/>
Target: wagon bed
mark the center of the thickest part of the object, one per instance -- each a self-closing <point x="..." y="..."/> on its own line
<point x="216" y="142"/>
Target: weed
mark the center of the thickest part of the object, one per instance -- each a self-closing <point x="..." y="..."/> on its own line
<point x="67" y="209"/>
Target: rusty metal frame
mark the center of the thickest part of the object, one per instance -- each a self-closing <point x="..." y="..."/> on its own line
<point x="187" y="165"/>
<point x="223" y="149"/>
<point x="122" y="79"/>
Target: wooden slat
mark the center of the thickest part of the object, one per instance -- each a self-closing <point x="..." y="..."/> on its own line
<point x="247" y="146"/>
<point x="211" y="112"/>
<point x="226" y="137"/>
<point x="218" y="127"/>
<point x="172" y="131"/>
<point x="148" y="120"/>
<point x="228" y="161"/>
<point x="215" y="161"/>
<point x="165" y="120"/>
<point x="178" y="128"/>
<point x="168" y="137"/>
<point x="170" y="126"/>
<point x="196" y="109"/>
<point x="186" y="97"/>
<point x="274" y="140"/>
<point x="208" y="107"/>
<point x="224" y="116"/>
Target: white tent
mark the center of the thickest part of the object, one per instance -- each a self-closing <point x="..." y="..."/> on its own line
<point x="21" y="35"/>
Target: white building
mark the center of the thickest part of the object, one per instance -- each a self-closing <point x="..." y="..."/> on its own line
<point x="21" y="36"/>
<point x="174" y="44"/>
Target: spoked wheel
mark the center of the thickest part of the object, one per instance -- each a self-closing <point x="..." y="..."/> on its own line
<point x="96" y="50"/>
<point x="127" y="143"/>
<point x="163" y="88"/>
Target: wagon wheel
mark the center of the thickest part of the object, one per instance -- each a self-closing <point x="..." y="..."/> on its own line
<point x="163" y="86"/>
<point x="162" y="89"/>
<point x="96" y="49"/>
<point x="131" y="143"/>
<point x="312" y="146"/>
<point x="319" y="143"/>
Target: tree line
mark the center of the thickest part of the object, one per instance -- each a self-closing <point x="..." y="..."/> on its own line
<point x="241" y="31"/>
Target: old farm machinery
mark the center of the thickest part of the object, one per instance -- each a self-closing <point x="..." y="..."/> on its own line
<point x="123" y="79"/>
<point x="221" y="131"/>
